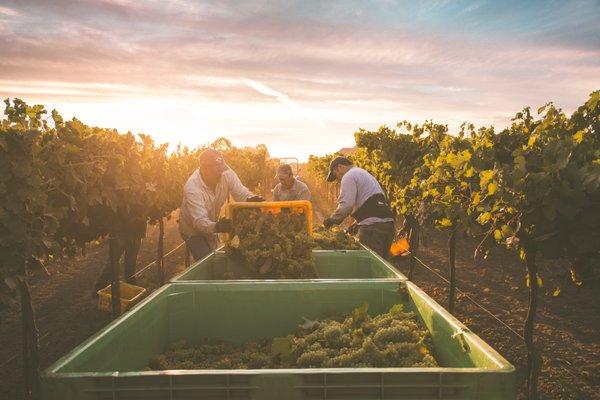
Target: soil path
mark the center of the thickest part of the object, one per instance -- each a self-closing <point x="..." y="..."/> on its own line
<point x="567" y="327"/>
<point x="66" y="310"/>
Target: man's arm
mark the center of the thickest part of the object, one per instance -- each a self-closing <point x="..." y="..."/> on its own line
<point x="346" y="200"/>
<point x="238" y="191"/>
<point x="198" y="213"/>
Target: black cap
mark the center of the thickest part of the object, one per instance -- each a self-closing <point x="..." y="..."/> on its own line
<point x="334" y="163"/>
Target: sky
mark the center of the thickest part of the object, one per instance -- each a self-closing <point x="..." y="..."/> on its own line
<point x="298" y="76"/>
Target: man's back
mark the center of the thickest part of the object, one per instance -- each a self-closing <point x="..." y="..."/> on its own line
<point x="366" y="184"/>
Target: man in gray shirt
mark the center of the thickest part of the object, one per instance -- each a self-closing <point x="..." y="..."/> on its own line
<point x="361" y="197"/>
<point x="289" y="188"/>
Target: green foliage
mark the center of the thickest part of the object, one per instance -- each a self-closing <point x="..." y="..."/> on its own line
<point x="393" y="339"/>
<point x="27" y="225"/>
<point x="65" y="183"/>
<point x="534" y="186"/>
<point x="319" y="165"/>
<point x="548" y="195"/>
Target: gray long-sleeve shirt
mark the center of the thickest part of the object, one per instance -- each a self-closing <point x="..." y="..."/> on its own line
<point x="356" y="187"/>
<point x="298" y="191"/>
<point x="201" y="206"/>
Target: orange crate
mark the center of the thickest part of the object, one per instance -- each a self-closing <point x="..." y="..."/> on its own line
<point x="130" y="296"/>
<point x="275" y="207"/>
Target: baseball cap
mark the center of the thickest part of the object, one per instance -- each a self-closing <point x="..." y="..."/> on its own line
<point x="334" y="163"/>
<point x="212" y="159"/>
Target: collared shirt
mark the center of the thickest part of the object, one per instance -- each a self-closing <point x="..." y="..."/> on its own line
<point x="298" y="191"/>
<point x="201" y="205"/>
<point x="356" y="187"/>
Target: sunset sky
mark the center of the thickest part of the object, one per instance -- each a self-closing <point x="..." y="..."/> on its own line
<point x="298" y="76"/>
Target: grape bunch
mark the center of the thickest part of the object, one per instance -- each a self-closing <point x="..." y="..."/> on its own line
<point x="214" y="354"/>
<point x="327" y="239"/>
<point x="272" y="246"/>
<point x="394" y="339"/>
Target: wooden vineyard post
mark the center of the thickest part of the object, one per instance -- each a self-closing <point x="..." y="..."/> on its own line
<point x="160" y="260"/>
<point x="534" y="359"/>
<point x="31" y="356"/>
<point x="452" y="264"/>
<point x="413" y="244"/>
<point x="115" y="284"/>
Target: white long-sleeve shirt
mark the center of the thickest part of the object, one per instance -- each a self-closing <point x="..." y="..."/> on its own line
<point x="201" y="206"/>
<point x="356" y="187"/>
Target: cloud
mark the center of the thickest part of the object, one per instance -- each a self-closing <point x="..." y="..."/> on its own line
<point x="292" y="105"/>
<point x="334" y="70"/>
<point x="10" y="12"/>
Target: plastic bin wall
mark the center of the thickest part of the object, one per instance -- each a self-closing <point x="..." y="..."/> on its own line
<point x="111" y="364"/>
<point x="330" y="264"/>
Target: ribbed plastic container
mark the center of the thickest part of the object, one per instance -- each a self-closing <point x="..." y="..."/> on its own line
<point x="330" y="265"/>
<point x="275" y="207"/>
<point x="112" y="364"/>
<point x="130" y="296"/>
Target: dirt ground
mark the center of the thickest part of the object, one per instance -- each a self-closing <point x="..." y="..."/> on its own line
<point x="67" y="312"/>
<point x="567" y="327"/>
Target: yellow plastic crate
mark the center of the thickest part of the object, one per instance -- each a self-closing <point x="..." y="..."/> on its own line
<point x="275" y="207"/>
<point x="130" y="296"/>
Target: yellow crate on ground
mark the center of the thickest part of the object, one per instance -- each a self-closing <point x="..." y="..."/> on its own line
<point x="130" y="296"/>
<point x="275" y="207"/>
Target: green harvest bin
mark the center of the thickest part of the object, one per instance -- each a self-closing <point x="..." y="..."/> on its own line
<point x="330" y="265"/>
<point x="112" y="363"/>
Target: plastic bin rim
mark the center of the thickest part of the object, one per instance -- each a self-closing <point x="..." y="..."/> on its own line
<point x="316" y="280"/>
<point x="305" y="371"/>
<point x="221" y="250"/>
<point x="460" y="327"/>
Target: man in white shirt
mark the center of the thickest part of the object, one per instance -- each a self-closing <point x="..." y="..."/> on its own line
<point x="361" y="197"/>
<point x="289" y="188"/>
<point x="204" y="193"/>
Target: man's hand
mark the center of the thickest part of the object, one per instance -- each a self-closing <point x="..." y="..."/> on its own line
<point x="328" y="223"/>
<point x="223" y="225"/>
<point x="255" y="199"/>
<point x="352" y="229"/>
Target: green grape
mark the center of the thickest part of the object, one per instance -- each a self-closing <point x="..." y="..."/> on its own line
<point x="326" y="239"/>
<point x="313" y="358"/>
<point x="393" y="339"/>
<point x="273" y="246"/>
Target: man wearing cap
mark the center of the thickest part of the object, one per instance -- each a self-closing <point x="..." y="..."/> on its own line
<point x="361" y="197"/>
<point x="289" y="188"/>
<point x="204" y="193"/>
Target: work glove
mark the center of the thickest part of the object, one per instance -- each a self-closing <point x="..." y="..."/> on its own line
<point x="223" y="225"/>
<point x="328" y="223"/>
<point x="255" y="199"/>
<point x="352" y="229"/>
